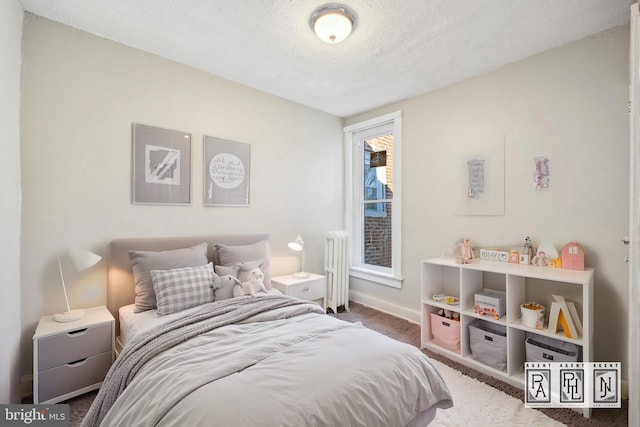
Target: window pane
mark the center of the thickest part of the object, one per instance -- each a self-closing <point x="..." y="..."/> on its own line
<point x="377" y="247"/>
<point x="378" y="168"/>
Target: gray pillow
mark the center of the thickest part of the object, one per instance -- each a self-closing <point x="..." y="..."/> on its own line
<point x="230" y="270"/>
<point x="232" y="255"/>
<point x="145" y="261"/>
<point x="181" y="288"/>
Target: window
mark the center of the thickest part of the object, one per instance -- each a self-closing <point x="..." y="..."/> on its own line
<point x="373" y="199"/>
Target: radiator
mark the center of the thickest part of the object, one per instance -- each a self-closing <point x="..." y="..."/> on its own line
<point x="336" y="267"/>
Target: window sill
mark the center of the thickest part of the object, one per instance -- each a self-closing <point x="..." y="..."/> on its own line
<point x="376" y="277"/>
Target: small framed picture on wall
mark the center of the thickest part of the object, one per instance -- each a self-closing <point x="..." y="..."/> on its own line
<point x="161" y="166"/>
<point x="542" y="173"/>
<point x="227" y="172"/>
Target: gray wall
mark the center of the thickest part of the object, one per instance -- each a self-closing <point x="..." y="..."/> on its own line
<point x="571" y="104"/>
<point x="80" y="94"/>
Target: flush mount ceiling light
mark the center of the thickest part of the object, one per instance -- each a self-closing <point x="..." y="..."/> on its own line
<point x="332" y="23"/>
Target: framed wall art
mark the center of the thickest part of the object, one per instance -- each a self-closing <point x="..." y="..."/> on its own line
<point x="227" y="172"/>
<point x="542" y="173"/>
<point x="161" y="166"/>
<point x="477" y="180"/>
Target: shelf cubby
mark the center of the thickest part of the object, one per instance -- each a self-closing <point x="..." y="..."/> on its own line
<point x="520" y="283"/>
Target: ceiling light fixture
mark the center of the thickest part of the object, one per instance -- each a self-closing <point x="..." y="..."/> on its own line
<point x="333" y="23"/>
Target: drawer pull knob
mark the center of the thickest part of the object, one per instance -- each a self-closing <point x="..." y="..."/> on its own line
<point x="77" y="362"/>
<point x="78" y="332"/>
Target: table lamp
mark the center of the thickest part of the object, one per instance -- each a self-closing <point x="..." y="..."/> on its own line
<point x="81" y="260"/>
<point x="298" y="246"/>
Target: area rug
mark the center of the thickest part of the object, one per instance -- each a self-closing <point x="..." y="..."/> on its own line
<point x="474" y="403"/>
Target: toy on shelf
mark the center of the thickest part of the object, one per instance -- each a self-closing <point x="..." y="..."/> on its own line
<point x="466" y="252"/>
<point x="494" y="254"/>
<point x="545" y="254"/>
<point x="526" y="255"/>
<point x="540" y="259"/>
<point x="564" y="314"/>
<point x="489" y="302"/>
<point x="572" y="256"/>
<point x="446" y="299"/>
<point x="532" y="315"/>
<point x="448" y="314"/>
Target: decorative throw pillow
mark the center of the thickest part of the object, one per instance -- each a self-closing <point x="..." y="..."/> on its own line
<point x="231" y="255"/>
<point x="229" y="270"/>
<point x="145" y="261"/>
<point x="181" y="288"/>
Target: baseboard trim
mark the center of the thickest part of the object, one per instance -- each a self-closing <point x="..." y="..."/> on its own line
<point x="412" y="316"/>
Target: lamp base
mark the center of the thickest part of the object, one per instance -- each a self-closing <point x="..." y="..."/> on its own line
<point x="69" y="316"/>
<point x="301" y="275"/>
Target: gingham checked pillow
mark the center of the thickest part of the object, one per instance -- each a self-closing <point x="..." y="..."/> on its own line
<point x="181" y="288"/>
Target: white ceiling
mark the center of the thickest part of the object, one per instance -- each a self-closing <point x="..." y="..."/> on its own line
<point x="399" y="48"/>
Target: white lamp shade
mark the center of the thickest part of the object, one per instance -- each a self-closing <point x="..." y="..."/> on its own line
<point x="83" y="259"/>
<point x="297" y="244"/>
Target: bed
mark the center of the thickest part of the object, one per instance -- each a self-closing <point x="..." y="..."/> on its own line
<point x="268" y="360"/>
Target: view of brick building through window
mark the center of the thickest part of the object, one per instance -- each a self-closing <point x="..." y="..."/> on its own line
<point x="377" y="206"/>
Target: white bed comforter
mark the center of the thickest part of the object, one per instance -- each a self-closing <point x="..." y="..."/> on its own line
<point x="286" y="367"/>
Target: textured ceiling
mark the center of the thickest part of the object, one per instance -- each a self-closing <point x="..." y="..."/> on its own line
<point x="399" y="48"/>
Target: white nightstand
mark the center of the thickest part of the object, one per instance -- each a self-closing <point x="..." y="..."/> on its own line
<point x="312" y="288"/>
<point x="72" y="358"/>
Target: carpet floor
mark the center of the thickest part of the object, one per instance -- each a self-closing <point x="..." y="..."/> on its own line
<point x="408" y="332"/>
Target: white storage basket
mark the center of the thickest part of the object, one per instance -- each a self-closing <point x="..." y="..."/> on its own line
<point x="544" y="349"/>
<point x="488" y="343"/>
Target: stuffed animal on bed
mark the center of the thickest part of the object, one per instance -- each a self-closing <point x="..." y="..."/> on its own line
<point x="223" y="286"/>
<point x="254" y="283"/>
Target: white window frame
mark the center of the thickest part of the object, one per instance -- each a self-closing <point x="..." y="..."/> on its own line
<point x="353" y="135"/>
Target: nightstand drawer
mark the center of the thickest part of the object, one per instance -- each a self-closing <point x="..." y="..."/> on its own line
<point x="74" y="376"/>
<point x="309" y="290"/>
<point x="74" y="345"/>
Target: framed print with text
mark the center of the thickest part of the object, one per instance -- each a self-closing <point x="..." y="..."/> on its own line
<point x="227" y="172"/>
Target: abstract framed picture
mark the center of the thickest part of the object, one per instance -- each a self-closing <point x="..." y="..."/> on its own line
<point x="161" y="161"/>
<point x="227" y="172"/>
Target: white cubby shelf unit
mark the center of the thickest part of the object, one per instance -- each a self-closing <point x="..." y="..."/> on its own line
<point x="521" y="283"/>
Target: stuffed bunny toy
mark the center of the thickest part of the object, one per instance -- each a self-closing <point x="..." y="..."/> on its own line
<point x="254" y="283"/>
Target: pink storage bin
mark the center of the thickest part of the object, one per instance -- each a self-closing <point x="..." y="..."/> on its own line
<point x="446" y="332"/>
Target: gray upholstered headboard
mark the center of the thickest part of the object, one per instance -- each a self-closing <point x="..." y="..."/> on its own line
<point x="120" y="283"/>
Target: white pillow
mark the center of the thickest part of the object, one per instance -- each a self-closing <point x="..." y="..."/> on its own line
<point x="181" y="288"/>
